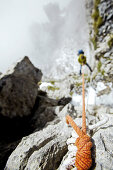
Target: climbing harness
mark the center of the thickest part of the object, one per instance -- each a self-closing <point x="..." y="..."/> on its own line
<point x="83" y="142"/>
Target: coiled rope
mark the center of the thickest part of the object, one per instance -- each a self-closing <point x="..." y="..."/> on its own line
<point x="83" y="142"/>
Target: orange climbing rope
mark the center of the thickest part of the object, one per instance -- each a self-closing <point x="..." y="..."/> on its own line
<point x="83" y="111"/>
<point x="83" y="142"/>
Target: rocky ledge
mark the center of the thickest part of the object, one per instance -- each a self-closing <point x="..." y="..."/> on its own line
<point x="45" y="149"/>
<point x="23" y="107"/>
<point x="41" y="135"/>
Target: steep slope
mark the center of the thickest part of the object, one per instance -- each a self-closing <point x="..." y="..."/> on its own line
<point x="45" y="148"/>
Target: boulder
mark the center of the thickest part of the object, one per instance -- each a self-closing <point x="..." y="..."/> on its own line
<point x="45" y="149"/>
<point x="103" y="139"/>
<point x="41" y="150"/>
<point x="18" y="89"/>
<point x="43" y="112"/>
<point x="24" y="67"/>
<point x="45" y="109"/>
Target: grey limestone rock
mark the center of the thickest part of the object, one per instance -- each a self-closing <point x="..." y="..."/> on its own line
<point x="18" y="89"/>
<point x="104" y="145"/>
<point x="107" y="54"/>
<point x="41" y="150"/>
<point x="102" y="138"/>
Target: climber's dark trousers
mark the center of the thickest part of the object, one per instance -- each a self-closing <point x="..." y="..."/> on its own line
<point x="87" y="66"/>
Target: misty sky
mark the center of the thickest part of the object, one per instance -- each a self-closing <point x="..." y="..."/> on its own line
<point x="38" y="29"/>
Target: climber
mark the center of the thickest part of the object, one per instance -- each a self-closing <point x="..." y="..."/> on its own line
<point x="82" y="60"/>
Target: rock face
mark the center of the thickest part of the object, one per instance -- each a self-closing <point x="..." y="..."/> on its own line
<point x="18" y="89"/>
<point x="103" y="53"/>
<point x="23" y="108"/>
<point x="101" y="131"/>
<point x="41" y="150"/>
<point x="101" y="36"/>
<point x="104" y="145"/>
<point x="44" y="150"/>
<point x="62" y="88"/>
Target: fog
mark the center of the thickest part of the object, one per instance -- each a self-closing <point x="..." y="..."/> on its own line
<point x="40" y="29"/>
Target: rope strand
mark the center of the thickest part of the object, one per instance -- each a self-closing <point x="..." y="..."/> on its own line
<point x="73" y="124"/>
<point x="83" y="142"/>
<point x="83" y="109"/>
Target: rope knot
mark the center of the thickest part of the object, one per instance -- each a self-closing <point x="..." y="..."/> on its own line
<point x="83" y="155"/>
<point x="84" y="145"/>
<point x="81" y="141"/>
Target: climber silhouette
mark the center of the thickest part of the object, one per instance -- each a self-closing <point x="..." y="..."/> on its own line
<point x="82" y="60"/>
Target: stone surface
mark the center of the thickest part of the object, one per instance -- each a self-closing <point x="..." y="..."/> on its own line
<point x="18" y="89"/>
<point x="108" y="68"/>
<point x="24" y="67"/>
<point x="63" y="87"/>
<point x="102" y="138"/>
<point x="44" y="149"/>
<point x="107" y="54"/>
<point x="45" y="110"/>
<point x="43" y="113"/>
<point x="105" y="91"/>
<point x="41" y="150"/>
